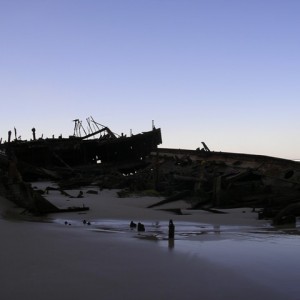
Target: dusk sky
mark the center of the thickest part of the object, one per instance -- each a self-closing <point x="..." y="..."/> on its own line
<point x="226" y="72"/>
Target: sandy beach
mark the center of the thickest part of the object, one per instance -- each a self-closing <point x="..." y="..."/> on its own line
<point x="213" y="256"/>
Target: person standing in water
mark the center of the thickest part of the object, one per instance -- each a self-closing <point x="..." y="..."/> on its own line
<point x="171" y="229"/>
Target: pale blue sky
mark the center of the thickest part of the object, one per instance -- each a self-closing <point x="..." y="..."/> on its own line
<point x="225" y="72"/>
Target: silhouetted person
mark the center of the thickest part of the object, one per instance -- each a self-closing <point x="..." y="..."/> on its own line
<point x="140" y="227"/>
<point x="132" y="224"/>
<point x="171" y="229"/>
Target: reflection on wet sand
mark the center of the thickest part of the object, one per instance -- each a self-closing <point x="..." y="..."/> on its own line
<point x="185" y="231"/>
<point x="171" y="243"/>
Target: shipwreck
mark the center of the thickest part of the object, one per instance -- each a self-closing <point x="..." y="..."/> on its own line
<point x="87" y="153"/>
<point x="94" y="145"/>
<point x="205" y="179"/>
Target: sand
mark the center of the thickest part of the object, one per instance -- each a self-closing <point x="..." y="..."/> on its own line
<point x="213" y="256"/>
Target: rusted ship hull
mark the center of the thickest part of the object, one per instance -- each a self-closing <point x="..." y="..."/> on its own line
<point x="75" y="151"/>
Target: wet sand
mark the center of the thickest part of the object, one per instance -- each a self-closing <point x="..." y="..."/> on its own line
<point x="230" y="256"/>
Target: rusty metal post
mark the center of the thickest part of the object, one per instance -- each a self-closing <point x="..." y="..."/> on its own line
<point x="9" y="136"/>
<point x="33" y="133"/>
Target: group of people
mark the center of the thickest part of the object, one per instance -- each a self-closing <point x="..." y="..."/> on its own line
<point x="141" y="228"/>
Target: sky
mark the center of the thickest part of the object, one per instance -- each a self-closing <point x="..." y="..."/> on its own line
<point x="223" y="72"/>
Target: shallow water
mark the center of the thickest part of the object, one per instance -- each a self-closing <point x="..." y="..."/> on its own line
<point x="274" y="256"/>
<point x="188" y="231"/>
<point x="267" y="255"/>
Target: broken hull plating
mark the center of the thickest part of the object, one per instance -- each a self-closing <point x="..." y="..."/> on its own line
<point x="76" y="151"/>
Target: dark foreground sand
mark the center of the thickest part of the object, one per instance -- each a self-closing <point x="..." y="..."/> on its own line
<point x="55" y="261"/>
